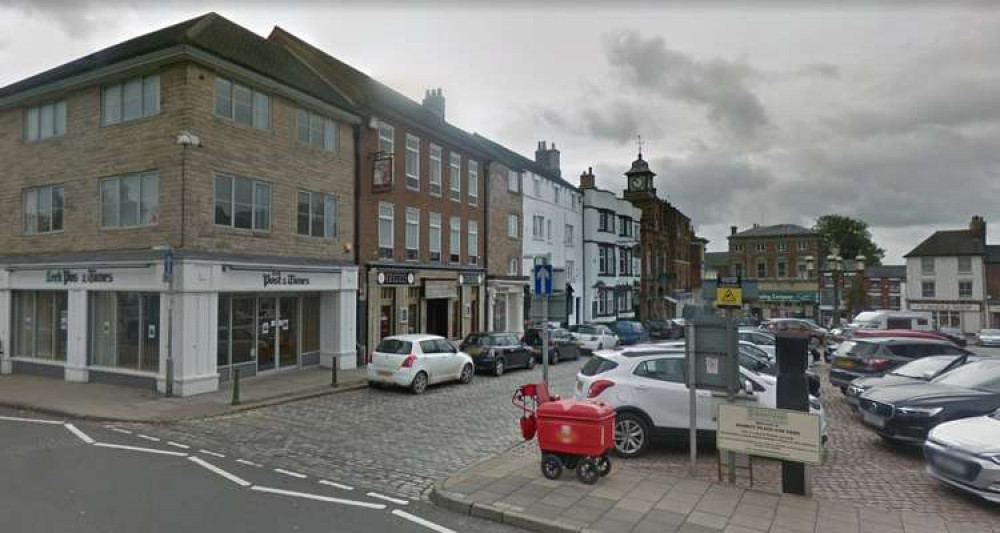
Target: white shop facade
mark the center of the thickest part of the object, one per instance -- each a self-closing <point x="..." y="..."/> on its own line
<point x="110" y="320"/>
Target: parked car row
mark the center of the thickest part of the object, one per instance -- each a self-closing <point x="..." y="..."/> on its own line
<point x="932" y="393"/>
<point x="646" y="386"/>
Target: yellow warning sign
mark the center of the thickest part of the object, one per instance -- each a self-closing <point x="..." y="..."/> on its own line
<point x="729" y="297"/>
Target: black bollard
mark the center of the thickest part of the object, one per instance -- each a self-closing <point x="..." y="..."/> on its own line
<point x="236" y="386"/>
<point x="793" y="393"/>
<point x="333" y="371"/>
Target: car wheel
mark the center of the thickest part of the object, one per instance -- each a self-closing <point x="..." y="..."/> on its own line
<point x="600" y="346"/>
<point x="466" y="376"/>
<point x="843" y="390"/>
<point x="554" y="357"/>
<point x="498" y="367"/>
<point x="631" y="435"/>
<point x="531" y="362"/>
<point x="374" y="385"/>
<point x="419" y="384"/>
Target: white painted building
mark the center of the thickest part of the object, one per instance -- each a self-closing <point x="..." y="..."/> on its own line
<point x="945" y="275"/>
<point x="552" y="234"/>
<point x="612" y="268"/>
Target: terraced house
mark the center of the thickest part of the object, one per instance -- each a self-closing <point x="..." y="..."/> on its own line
<point x="421" y="198"/>
<point x="176" y="206"/>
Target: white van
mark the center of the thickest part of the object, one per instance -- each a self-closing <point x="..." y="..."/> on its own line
<point x="915" y="320"/>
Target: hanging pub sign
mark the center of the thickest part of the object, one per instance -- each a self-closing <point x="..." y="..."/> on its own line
<point x="396" y="277"/>
<point x="66" y="277"/>
<point x="382" y="171"/>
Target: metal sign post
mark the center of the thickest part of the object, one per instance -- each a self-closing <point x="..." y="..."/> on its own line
<point x="543" y="288"/>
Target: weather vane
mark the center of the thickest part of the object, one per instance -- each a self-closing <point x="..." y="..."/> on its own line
<point x="638" y="141"/>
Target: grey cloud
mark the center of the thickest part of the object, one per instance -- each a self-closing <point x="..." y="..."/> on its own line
<point x="618" y="121"/>
<point x="820" y="70"/>
<point x="74" y="17"/>
<point x="719" y="85"/>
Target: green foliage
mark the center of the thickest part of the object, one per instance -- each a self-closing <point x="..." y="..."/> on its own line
<point x="850" y="236"/>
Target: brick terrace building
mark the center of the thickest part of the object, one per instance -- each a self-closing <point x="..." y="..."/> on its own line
<point x="886" y="287"/>
<point x="775" y="256"/>
<point x="666" y="247"/>
<point x="203" y="138"/>
<point x="421" y="207"/>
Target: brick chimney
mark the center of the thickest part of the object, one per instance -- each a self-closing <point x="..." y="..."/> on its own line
<point x="434" y="102"/>
<point x="977" y="226"/>
<point x="587" y="180"/>
<point x="732" y="230"/>
<point x="548" y="157"/>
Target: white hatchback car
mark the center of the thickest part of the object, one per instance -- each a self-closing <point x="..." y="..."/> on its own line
<point x="593" y="337"/>
<point x="646" y="387"/>
<point x="415" y="361"/>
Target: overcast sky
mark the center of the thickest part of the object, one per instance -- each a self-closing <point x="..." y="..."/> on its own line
<point x="749" y="114"/>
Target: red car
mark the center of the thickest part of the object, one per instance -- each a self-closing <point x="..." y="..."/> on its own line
<point x="909" y="333"/>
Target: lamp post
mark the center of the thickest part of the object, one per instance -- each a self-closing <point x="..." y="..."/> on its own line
<point x="168" y="278"/>
<point x="835" y="268"/>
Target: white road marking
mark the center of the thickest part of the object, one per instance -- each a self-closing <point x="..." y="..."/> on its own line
<point x="31" y="420"/>
<point x="213" y="454"/>
<point x="178" y="445"/>
<point x="290" y="473"/>
<point x="138" y="449"/>
<point x="147" y="437"/>
<point x="122" y="431"/>
<point x="417" y="520"/>
<point x="396" y="501"/>
<point x="336" y="485"/>
<point x="76" y="431"/>
<point x="318" y="497"/>
<point x="248" y="463"/>
<point x="212" y="468"/>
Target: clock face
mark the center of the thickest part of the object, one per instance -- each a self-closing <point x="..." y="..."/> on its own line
<point x="636" y="182"/>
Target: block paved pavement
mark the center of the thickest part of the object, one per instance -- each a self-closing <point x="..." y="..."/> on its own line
<point x="510" y="488"/>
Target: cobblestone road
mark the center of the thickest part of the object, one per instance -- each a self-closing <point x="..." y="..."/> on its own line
<point x="380" y="439"/>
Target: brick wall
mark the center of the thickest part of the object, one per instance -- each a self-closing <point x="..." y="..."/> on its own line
<point x="502" y="202"/>
<point x="89" y="152"/>
<point x="793" y="255"/>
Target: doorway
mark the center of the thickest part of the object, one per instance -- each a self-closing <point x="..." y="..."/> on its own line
<point x="437" y="317"/>
<point x="277" y="333"/>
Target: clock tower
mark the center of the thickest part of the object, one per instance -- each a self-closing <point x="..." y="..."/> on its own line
<point x="640" y="180"/>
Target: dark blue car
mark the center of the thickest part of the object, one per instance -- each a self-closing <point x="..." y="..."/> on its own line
<point x="630" y="332"/>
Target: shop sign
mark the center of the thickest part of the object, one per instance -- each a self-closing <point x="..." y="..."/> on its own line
<point x="65" y="277"/>
<point x="766" y="432"/>
<point x="787" y="296"/>
<point x="971" y="308"/>
<point x="396" y="277"/>
<point x="470" y="279"/>
<point x="277" y="278"/>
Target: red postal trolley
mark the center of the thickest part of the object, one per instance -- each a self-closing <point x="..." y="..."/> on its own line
<point x="571" y="434"/>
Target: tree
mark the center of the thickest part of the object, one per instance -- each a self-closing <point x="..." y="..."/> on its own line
<point x="850" y="236"/>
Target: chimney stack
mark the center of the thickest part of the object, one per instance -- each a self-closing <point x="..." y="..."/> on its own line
<point x="732" y="230"/>
<point x="548" y="157"/>
<point x="587" y="180"/>
<point x="977" y="226"/>
<point x="434" y="101"/>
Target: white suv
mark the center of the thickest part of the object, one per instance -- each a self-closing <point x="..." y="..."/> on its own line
<point x="646" y="387"/>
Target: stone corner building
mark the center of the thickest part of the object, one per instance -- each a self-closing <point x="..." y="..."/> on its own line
<point x="201" y="150"/>
<point x="667" y="245"/>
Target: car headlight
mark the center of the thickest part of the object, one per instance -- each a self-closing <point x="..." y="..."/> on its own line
<point x="995" y="457"/>
<point x="854" y="390"/>
<point x="920" y="411"/>
<point x="814" y="403"/>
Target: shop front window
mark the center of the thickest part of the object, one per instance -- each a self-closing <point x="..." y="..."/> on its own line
<point x="125" y="330"/>
<point x="40" y="325"/>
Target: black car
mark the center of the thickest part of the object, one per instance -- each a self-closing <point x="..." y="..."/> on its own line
<point x="954" y="335"/>
<point x="664" y="329"/>
<point x="861" y="358"/>
<point x="905" y="413"/>
<point x="918" y="371"/>
<point x="562" y="345"/>
<point x="497" y="352"/>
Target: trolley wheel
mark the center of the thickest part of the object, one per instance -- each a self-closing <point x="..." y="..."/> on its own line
<point x="604" y="465"/>
<point x="551" y="466"/>
<point x="588" y="472"/>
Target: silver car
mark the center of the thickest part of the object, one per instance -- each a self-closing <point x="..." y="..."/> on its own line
<point x="989" y="337"/>
<point x="966" y="454"/>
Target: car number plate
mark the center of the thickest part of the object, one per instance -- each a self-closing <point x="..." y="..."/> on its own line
<point x="844" y="363"/>
<point x="949" y="465"/>
<point x="579" y="386"/>
<point x="385" y="372"/>
<point x="872" y="419"/>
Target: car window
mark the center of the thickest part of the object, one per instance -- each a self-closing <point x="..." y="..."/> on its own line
<point x="765" y="340"/>
<point x="859" y="349"/>
<point x="430" y="346"/>
<point x="597" y="365"/>
<point x="755" y="351"/>
<point x="952" y="350"/>
<point x="666" y="369"/>
<point x="918" y="368"/>
<point x="394" y="346"/>
<point x="511" y="340"/>
<point x="443" y="346"/>
<point x="902" y="350"/>
<point x="471" y="340"/>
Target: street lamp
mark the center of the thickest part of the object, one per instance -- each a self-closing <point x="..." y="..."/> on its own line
<point x="835" y="267"/>
<point x="168" y="278"/>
